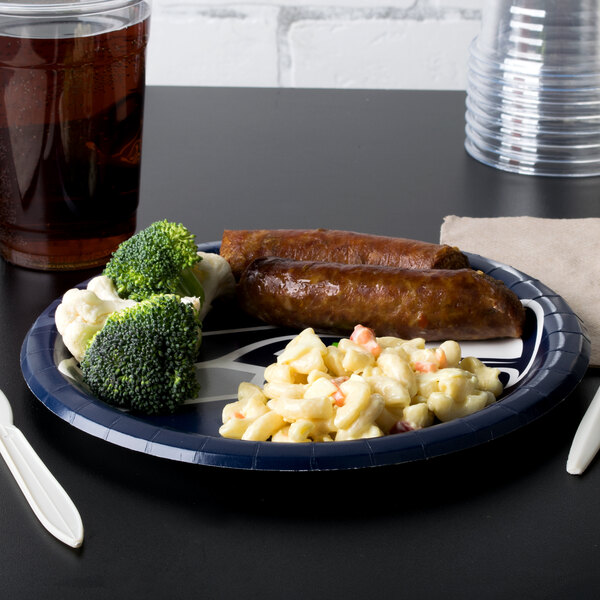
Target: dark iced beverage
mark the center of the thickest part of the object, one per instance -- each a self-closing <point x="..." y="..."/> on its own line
<point x="71" y="107"/>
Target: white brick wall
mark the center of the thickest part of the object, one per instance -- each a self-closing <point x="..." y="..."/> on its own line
<point x="390" y="44"/>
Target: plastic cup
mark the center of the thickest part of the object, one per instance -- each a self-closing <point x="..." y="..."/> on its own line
<point x="551" y="36"/>
<point x="533" y="87"/>
<point x="72" y="76"/>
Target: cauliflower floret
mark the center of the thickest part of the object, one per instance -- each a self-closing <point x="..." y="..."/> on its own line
<point x="82" y="313"/>
<point x="104" y="288"/>
<point x="214" y="272"/>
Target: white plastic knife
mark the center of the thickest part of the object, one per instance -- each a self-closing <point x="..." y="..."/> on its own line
<point x="586" y="442"/>
<point x="45" y="495"/>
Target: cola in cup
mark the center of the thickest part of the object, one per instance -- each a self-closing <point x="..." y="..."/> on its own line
<point x="72" y="81"/>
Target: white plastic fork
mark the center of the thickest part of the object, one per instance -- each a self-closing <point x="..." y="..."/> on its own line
<point x="45" y="495"/>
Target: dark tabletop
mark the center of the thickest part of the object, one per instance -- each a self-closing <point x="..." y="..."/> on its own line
<point x="502" y="520"/>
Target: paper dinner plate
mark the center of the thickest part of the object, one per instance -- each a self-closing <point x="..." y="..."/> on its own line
<point x="538" y="372"/>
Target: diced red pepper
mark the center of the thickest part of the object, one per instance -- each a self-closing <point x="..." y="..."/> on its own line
<point x="442" y="360"/>
<point x="401" y="427"/>
<point x="339" y="397"/>
<point x="427" y="366"/>
<point x="363" y="336"/>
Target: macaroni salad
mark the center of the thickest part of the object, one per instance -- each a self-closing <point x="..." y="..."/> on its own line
<point x="361" y="387"/>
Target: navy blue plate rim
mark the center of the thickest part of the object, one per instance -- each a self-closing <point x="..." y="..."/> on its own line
<point x="560" y="363"/>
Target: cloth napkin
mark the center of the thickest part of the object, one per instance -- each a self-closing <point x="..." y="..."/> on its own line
<point x="564" y="254"/>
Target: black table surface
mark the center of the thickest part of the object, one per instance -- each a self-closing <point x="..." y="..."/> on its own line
<point x="502" y="520"/>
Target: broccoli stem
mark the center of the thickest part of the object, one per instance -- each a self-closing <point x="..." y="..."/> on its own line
<point x="190" y="285"/>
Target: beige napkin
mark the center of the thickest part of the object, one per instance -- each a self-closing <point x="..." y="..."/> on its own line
<point x="564" y="254"/>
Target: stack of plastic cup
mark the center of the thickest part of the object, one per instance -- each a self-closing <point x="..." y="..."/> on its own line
<point x="533" y="87"/>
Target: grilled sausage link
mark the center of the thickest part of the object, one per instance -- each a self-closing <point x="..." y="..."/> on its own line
<point x="459" y="304"/>
<point x="241" y="247"/>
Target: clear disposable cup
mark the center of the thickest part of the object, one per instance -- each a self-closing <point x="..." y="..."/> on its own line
<point x="519" y="126"/>
<point x="533" y="87"/>
<point x="533" y="76"/>
<point x="71" y="109"/>
<point x="555" y="35"/>
<point x="568" y="112"/>
<point x="527" y="161"/>
<point x="545" y="145"/>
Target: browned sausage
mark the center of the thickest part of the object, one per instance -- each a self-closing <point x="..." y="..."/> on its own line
<point x="240" y="248"/>
<point x="461" y="304"/>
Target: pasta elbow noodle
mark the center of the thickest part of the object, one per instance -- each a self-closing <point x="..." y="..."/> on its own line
<point x="264" y="427"/>
<point x="348" y="391"/>
<point x="292" y="409"/>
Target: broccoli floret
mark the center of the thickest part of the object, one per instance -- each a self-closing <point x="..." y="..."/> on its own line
<point x="156" y="260"/>
<point x="143" y="358"/>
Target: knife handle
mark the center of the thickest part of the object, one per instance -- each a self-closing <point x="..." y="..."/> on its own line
<point x="45" y="495"/>
<point x="586" y="442"/>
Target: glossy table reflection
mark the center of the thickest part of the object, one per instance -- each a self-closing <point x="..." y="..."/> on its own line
<point x="503" y="520"/>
